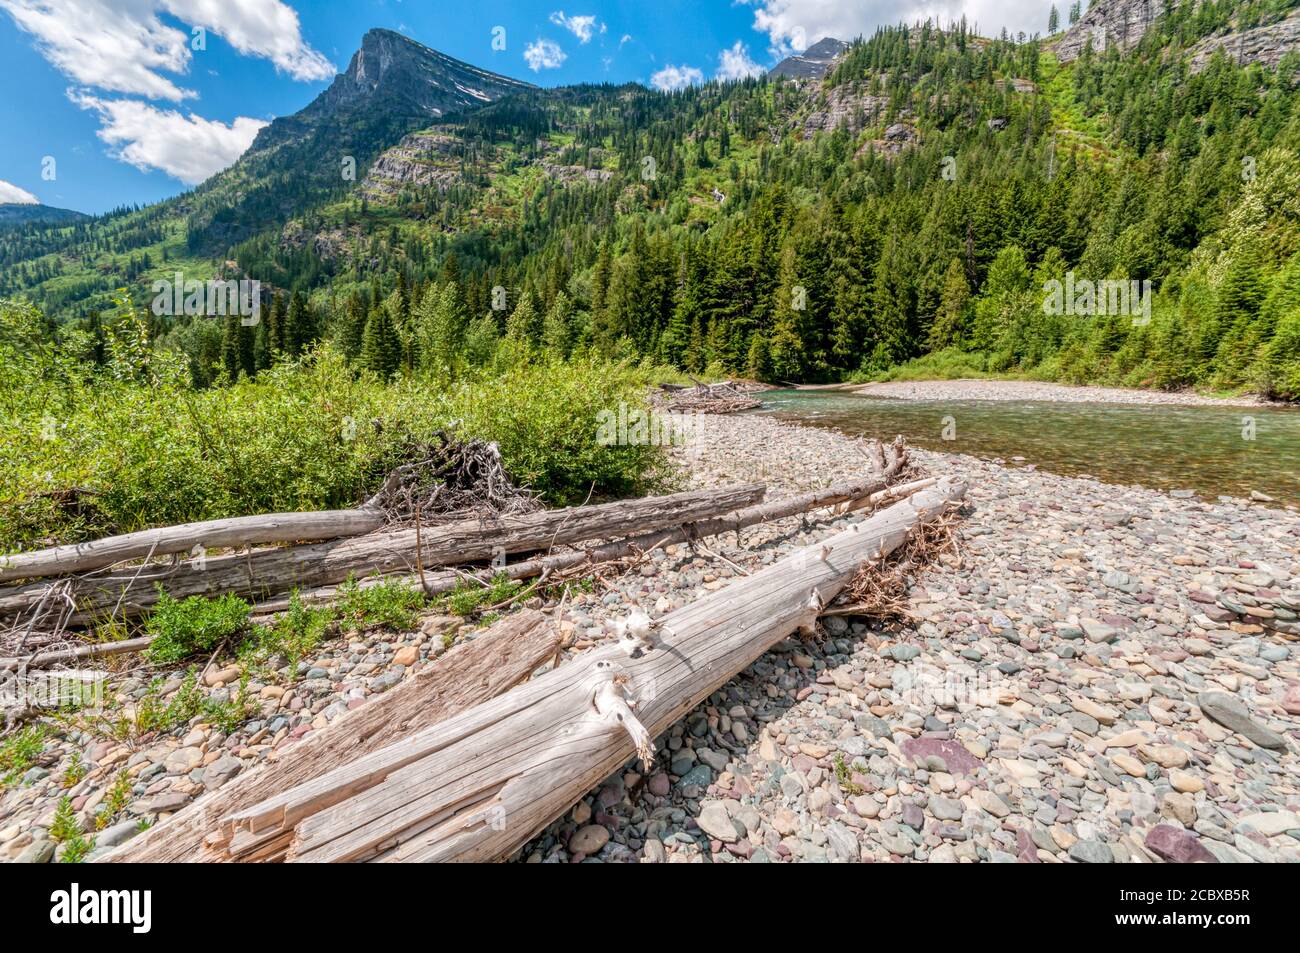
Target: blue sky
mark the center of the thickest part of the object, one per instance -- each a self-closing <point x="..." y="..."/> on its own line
<point x="111" y="102"/>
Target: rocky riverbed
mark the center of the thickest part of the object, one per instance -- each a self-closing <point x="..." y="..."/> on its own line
<point x="1103" y="674"/>
<point x="971" y="389"/>
<point x="1101" y="678"/>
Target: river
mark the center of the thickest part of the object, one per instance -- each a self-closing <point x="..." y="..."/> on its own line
<point x="1212" y="450"/>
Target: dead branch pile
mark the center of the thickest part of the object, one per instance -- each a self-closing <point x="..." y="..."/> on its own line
<point x="449" y="479"/>
<point x="721" y="398"/>
<point x="878" y="591"/>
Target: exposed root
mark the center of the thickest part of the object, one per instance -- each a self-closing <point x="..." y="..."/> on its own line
<point x="449" y="479"/>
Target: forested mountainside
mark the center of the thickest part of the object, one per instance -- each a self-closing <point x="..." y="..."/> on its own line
<point x="914" y="203"/>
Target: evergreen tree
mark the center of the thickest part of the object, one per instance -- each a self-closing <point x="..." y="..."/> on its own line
<point x="947" y="328"/>
<point x="353" y="330"/>
<point x="481" y="340"/>
<point x="1053" y="21"/>
<point x="381" y="349"/>
<point x="522" y="326"/>
<point x="557" y="329"/>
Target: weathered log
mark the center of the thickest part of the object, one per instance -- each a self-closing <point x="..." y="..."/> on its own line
<point x="477" y="786"/>
<point x="81" y="652"/>
<point x="493" y="662"/>
<point x="852" y="493"/>
<point x="209" y="534"/>
<point x="270" y="571"/>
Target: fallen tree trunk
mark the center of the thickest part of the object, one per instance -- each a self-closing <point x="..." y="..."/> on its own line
<point x="477" y="786"/>
<point x="857" y="493"/>
<point x="80" y="653"/>
<point x="209" y="534"/>
<point x="271" y="571"/>
<point x="493" y="662"/>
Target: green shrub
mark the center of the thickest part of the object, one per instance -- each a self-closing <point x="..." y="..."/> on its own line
<point x="197" y="624"/>
<point x="295" y="635"/>
<point x="19" y="752"/>
<point x="65" y="825"/>
<point x="84" y="454"/>
<point x="468" y="597"/>
<point x="115" y="801"/>
<point x="388" y="603"/>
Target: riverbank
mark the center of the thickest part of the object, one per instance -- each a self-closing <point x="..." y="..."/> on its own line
<point x="1043" y="706"/>
<point x="1050" y="684"/>
<point x="977" y="389"/>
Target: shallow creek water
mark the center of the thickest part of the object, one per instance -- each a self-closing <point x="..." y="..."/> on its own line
<point x="1212" y="450"/>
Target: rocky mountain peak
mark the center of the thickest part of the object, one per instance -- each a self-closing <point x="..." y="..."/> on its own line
<point x="812" y="63"/>
<point x="412" y="77"/>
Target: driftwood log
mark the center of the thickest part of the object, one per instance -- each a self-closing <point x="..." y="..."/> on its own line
<point x="471" y="673"/>
<point x="210" y="534"/>
<point x="853" y="494"/>
<point x="480" y="784"/>
<point x="266" y="572"/>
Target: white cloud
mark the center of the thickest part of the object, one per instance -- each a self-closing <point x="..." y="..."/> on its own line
<point x="122" y="46"/>
<point x="583" y="27"/>
<point x="672" y="78"/>
<point x="10" y="194"/>
<point x="544" y="54"/>
<point x="794" y="25"/>
<point x="188" y="147"/>
<point x="263" y="28"/>
<point x="734" y="63"/>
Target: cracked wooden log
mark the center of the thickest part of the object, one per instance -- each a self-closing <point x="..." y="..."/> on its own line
<point x="479" y="785"/>
<point x="266" y="572"/>
<point x="868" y="491"/>
<point x="491" y="663"/>
<point x="182" y="538"/>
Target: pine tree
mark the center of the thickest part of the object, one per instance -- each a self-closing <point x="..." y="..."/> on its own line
<point x="557" y="328"/>
<point x="948" y="325"/>
<point x="439" y="320"/>
<point x="230" y="360"/>
<point x="381" y="350"/>
<point x="522" y="325"/>
<point x="354" y="328"/>
<point x="481" y="340"/>
<point x="299" y="326"/>
<point x="1053" y="21"/>
<point x="275" y="329"/>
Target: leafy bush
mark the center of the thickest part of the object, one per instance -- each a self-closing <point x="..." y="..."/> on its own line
<point x="295" y="634"/>
<point x="84" y="454"/>
<point x="197" y="624"/>
<point x="468" y="597"/>
<point x="19" y="752"/>
<point x="389" y="603"/>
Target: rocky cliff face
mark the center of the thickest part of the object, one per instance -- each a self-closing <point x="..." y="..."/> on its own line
<point x="1109" y="23"/>
<point x="1122" y="23"/>
<point x="1264" y="44"/>
<point x="421" y="159"/>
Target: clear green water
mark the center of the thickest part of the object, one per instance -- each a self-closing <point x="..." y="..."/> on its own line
<point x="1155" y="445"/>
